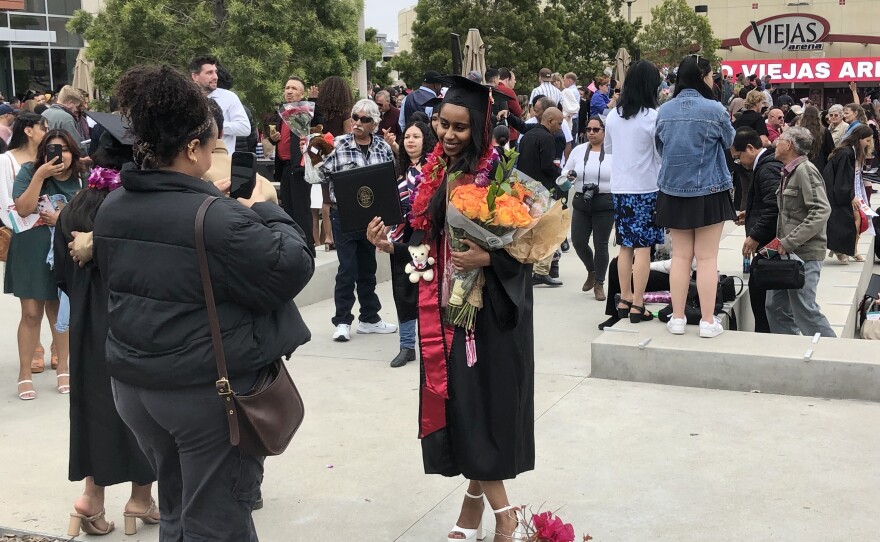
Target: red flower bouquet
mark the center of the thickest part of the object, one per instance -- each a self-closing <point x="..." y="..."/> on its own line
<point x="298" y="117"/>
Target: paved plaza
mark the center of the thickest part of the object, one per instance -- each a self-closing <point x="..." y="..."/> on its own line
<point x="622" y="461"/>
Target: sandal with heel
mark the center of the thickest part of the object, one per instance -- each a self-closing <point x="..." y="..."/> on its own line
<point x="132" y="517"/>
<point x="87" y="524"/>
<point x="641" y="316"/>
<point x="519" y="533"/>
<point x="621" y="313"/>
<point x="469" y="534"/>
<point x="27" y="395"/>
<point x="53" y="359"/>
<point x="38" y="364"/>
<point x="63" y="389"/>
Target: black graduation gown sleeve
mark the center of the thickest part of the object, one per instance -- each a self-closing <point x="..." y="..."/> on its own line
<point x="406" y="293"/>
<point x="520" y="125"/>
<point x="507" y="283"/>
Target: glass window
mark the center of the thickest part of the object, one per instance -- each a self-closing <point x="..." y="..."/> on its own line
<point x="31" y="70"/>
<point x="63" y="63"/>
<point x="27" y="22"/>
<point x="63" y="38"/>
<point x="35" y="6"/>
<point x="5" y="73"/>
<point x="63" y="7"/>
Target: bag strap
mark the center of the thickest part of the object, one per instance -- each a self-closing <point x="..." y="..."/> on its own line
<point x="213" y="319"/>
<point x="224" y="388"/>
<point x="742" y="284"/>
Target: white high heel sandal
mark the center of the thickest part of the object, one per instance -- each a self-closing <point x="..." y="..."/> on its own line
<point x="469" y="534"/>
<point x="519" y="534"/>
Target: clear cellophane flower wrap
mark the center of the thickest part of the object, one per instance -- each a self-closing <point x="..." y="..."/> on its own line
<point x="298" y="116"/>
<point x="491" y="213"/>
<point x="549" y="228"/>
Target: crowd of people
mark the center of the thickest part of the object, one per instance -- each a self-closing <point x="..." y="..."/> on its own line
<point x="662" y="161"/>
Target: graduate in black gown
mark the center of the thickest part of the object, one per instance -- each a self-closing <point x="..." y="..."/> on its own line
<point x="476" y="421"/>
<point x="103" y="450"/>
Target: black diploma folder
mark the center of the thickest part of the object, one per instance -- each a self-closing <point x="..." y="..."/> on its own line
<point x="364" y="193"/>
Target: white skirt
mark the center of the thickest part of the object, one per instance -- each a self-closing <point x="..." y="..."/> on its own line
<point x="317" y="197"/>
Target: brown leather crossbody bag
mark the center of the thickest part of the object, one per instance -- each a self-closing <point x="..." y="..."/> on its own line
<point x="263" y="420"/>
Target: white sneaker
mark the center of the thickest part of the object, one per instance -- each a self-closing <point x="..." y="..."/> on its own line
<point x="708" y="330"/>
<point x="676" y="326"/>
<point x="378" y="327"/>
<point x="343" y="333"/>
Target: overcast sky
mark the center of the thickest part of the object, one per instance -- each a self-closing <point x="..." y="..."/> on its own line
<point x="382" y="15"/>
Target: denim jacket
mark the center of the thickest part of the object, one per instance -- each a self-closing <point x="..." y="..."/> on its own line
<point x="692" y="135"/>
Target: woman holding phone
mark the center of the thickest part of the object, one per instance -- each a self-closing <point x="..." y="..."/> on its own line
<point x="27" y="133"/>
<point x="28" y="276"/>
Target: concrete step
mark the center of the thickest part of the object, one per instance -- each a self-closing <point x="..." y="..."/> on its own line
<point x="838" y="368"/>
<point x="739" y="361"/>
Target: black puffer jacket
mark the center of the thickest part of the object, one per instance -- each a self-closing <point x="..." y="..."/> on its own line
<point x="839" y="177"/>
<point x="144" y="242"/>
<point x="761" y="207"/>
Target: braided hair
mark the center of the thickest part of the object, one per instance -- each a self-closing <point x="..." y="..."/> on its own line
<point x="166" y="110"/>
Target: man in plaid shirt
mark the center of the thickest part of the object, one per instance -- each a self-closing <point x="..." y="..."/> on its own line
<point x="357" y="256"/>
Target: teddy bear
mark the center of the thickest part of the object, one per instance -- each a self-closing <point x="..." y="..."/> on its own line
<point x="317" y="149"/>
<point x="319" y="145"/>
<point x="421" y="266"/>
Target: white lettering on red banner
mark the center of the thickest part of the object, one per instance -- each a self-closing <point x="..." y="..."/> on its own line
<point x="807" y="70"/>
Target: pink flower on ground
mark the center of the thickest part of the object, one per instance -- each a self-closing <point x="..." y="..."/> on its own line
<point x="550" y="528"/>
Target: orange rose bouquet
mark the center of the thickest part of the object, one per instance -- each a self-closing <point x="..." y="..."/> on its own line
<point x="491" y="209"/>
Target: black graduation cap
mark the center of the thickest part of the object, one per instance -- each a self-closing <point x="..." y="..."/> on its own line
<point x="475" y="96"/>
<point x="116" y="125"/>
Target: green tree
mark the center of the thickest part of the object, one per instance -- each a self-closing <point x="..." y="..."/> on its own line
<point x="516" y="33"/>
<point x="261" y="42"/>
<point x="592" y="33"/>
<point x="408" y="67"/>
<point x="676" y="31"/>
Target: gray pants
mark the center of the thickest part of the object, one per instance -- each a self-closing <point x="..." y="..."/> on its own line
<point x="597" y="224"/>
<point x="207" y="488"/>
<point x="792" y="312"/>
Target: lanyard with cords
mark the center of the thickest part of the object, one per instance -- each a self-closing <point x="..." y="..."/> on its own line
<point x="584" y="173"/>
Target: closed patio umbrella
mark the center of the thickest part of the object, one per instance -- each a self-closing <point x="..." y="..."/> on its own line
<point x="82" y="74"/>
<point x="622" y="60"/>
<point x="474" y="54"/>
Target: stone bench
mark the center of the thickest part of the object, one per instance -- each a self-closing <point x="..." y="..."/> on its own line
<point x="841" y="368"/>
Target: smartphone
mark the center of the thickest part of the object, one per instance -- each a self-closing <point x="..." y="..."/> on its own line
<point x="244" y="175"/>
<point x="53" y="150"/>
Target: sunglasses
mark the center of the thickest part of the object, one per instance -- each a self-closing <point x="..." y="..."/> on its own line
<point x="364" y="120"/>
<point x="594" y="130"/>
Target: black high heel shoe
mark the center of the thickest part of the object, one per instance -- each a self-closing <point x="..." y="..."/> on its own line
<point x="621" y="313"/>
<point x="641" y="316"/>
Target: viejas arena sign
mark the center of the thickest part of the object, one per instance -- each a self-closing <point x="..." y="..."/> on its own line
<point x="792" y="32"/>
<point x="807" y="70"/>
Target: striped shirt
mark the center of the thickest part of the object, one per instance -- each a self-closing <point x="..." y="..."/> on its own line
<point x="546" y="89"/>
